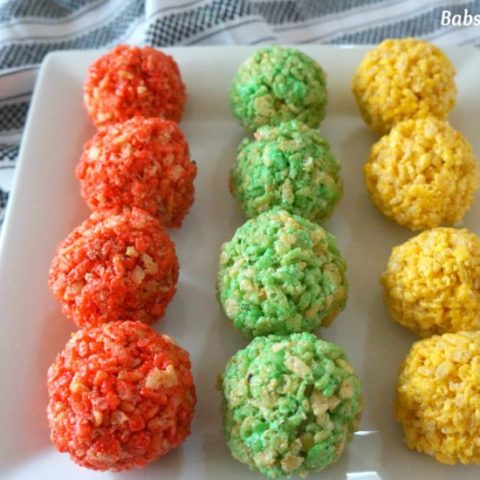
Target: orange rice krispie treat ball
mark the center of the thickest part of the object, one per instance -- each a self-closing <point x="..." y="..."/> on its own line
<point x="423" y="174"/>
<point x="131" y="81"/>
<point x="115" y="267"/>
<point x="145" y="163"/>
<point x="401" y="79"/>
<point x="438" y="398"/>
<point x="432" y="282"/>
<point x="121" y="395"/>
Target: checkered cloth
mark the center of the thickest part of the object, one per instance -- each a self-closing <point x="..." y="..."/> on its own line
<point x="29" y="29"/>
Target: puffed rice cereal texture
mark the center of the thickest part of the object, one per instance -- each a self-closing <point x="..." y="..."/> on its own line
<point x="438" y="397"/>
<point x="432" y="282"/>
<point x="281" y="273"/>
<point x="278" y="84"/>
<point x="291" y="404"/>
<point x="402" y="79"/>
<point x="144" y="163"/>
<point x="289" y="166"/>
<point x="115" y="266"/>
<point x="120" y="396"/>
<point x="423" y="174"/>
<point x="130" y="81"/>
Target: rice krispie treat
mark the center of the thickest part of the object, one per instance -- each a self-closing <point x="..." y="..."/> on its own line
<point x="404" y="78"/>
<point x="423" y="174"/>
<point x="278" y="84"/>
<point x="121" y="395"/>
<point x="438" y="397"/>
<point x="288" y="166"/>
<point x="145" y="163"/>
<point x="432" y="282"/>
<point x="281" y="273"/>
<point x="130" y="81"/>
<point x="291" y="403"/>
<point x="115" y="266"/>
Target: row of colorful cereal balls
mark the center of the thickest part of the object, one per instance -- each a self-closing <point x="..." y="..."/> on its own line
<point x="280" y="95"/>
<point x="121" y="394"/>
<point x="291" y="401"/>
<point x="423" y="174"/>
<point x="432" y="286"/>
<point x="286" y="166"/>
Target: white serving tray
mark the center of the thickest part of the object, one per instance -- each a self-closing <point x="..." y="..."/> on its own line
<point x="46" y="205"/>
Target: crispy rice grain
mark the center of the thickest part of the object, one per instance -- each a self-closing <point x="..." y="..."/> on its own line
<point x="290" y="404"/>
<point x="422" y="174"/>
<point x="115" y="266"/>
<point x="432" y="282"/>
<point x="402" y="79"/>
<point x="130" y="81"/>
<point x="104" y="408"/>
<point x="145" y="163"/>
<point x="438" y="397"/>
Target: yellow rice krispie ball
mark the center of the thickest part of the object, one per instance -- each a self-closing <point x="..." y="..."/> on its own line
<point x="402" y="79"/>
<point x="432" y="282"/>
<point x="422" y="174"/>
<point x="438" y="397"/>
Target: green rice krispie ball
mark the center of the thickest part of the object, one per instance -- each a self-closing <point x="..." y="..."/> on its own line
<point x="290" y="404"/>
<point x="288" y="166"/>
<point x="281" y="273"/>
<point x="277" y="84"/>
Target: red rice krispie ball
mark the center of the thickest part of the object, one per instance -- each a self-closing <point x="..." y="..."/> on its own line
<point x="145" y="163"/>
<point x="115" y="266"/>
<point x="121" y="395"/>
<point x="131" y="80"/>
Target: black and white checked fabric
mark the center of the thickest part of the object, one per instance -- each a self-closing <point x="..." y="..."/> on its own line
<point x="29" y="29"/>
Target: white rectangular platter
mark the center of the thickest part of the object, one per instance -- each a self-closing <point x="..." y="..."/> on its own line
<point x="46" y="205"/>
